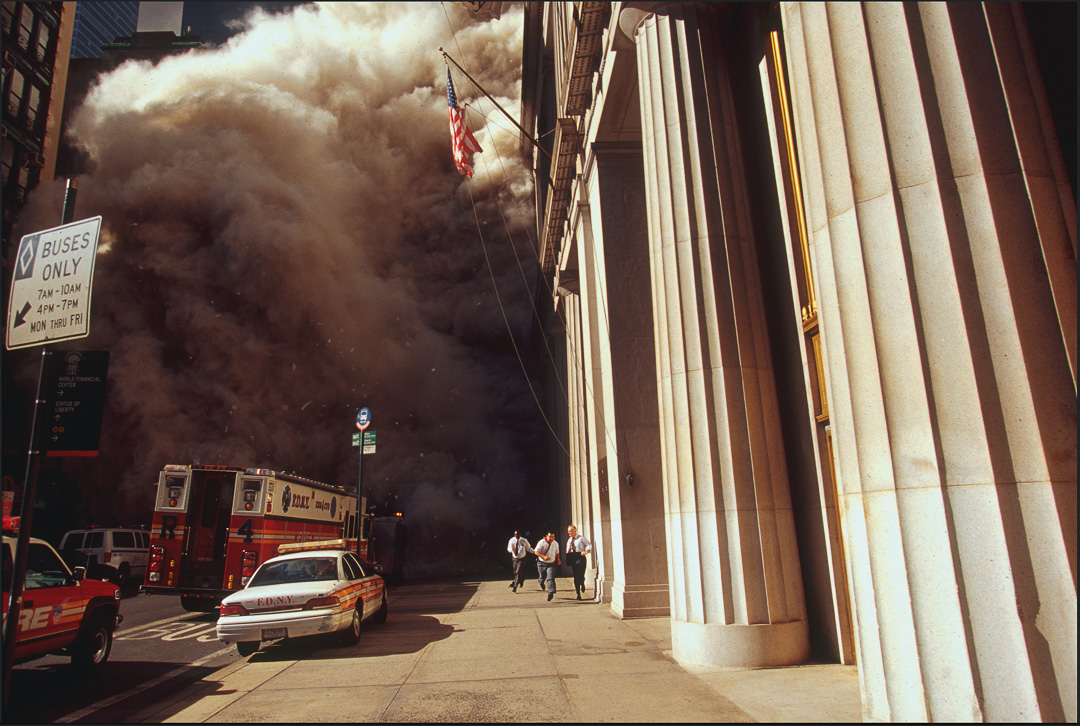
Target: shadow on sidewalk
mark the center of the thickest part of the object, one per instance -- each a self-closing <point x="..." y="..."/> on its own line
<point x="406" y="630"/>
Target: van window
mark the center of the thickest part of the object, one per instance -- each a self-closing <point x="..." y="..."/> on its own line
<point x="94" y="540"/>
<point x="144" y="540"/>
<point x="73" y="541"/>
<point x="123" y="540"/>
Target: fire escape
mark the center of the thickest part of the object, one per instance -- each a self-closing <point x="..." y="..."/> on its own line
<point x="579" y="59"/>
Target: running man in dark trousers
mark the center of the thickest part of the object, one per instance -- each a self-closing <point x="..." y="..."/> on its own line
<point x="577" y="556"/>
<point x="518" y="547"/>
<point x="547" y="557"/>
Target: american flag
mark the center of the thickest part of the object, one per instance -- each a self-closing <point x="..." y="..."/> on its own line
<point x="460" y="137"/>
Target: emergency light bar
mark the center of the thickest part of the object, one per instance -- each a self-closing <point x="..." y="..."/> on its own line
<point x="188" y="467"/>
<point x="326" y="544"/>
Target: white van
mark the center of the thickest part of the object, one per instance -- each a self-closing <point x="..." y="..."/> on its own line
<point x="123" y="549"/>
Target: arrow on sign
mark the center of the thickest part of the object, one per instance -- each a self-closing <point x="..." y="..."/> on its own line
<point x="20" y="317"/>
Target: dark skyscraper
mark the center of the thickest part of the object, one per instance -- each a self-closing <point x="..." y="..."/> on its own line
<point x="98" y="23"/>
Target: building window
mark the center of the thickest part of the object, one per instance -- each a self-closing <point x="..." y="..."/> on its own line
<point x="9" y="17"/>
<point x="33" y="104"/>
<point x="8" y="160"/>
<point x="43" y="38"/>
<point x="26" y="28"/>
<point x="15" y="93"/>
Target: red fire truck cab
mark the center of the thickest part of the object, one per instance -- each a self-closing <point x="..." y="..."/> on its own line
<point x="61" y="611"/>
<point x="214" y="525"/>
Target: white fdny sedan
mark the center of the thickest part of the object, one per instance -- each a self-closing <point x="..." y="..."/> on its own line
<point x="315" y="588"/>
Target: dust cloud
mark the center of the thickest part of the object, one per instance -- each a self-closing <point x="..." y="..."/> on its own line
<point x="286" y="240"/>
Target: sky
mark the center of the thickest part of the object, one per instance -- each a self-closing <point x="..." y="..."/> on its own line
<point x="285" y="240"/>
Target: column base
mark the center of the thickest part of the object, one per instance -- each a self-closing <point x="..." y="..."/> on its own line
<point x="596" y="582"/>
<point x="640" y="601"/>
<point x="740" y="646"/>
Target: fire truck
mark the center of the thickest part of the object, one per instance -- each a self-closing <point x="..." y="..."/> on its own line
<point x="62" y="610"/>
<point x="214" y="525"/>
<point x="386" y="545"/>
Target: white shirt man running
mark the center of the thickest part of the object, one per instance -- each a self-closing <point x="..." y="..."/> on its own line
<point x="577" y="552"/>
<point x="547" y="557"/>
<point x="518" y="547"/>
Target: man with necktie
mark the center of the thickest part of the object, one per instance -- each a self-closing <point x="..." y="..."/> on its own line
<point x="577" y="551"/>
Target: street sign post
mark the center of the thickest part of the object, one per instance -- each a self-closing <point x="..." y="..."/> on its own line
<point x="363" y="420"/>
<point x="55" y="266"/>
<point x="368" y="441"/>
<point x="50" y="288"/>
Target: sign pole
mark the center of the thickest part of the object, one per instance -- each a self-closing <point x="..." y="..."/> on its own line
<point x="363" y="420"/>
<point x="26" y="513"/>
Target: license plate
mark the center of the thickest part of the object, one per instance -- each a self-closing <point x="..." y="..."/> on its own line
<point x="274" y="633"/>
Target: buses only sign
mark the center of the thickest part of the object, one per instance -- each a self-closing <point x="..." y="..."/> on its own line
<point x="50" y="290"/>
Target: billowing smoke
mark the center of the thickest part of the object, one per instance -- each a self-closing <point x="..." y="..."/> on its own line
<point x="286" y="240"/>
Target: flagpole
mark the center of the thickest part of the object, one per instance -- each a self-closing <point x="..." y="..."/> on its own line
<point x="482" y="90"/>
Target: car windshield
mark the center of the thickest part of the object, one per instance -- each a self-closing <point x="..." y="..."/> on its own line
<point x="305" y="569"/>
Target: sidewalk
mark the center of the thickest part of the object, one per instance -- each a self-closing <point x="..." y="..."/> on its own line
<point x="474" y="651"/>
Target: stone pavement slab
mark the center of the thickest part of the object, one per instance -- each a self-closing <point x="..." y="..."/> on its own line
<point x="476" y="652"/>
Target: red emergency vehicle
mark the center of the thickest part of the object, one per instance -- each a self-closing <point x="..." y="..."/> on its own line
<point x="62" y="610"/>
<point x="214" y="525"/>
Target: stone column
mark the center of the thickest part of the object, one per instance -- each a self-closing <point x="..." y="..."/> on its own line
<point x="952" y="395"/>
<point x="736" y="586"/>
<point x="616" y="265"/>
<point x="577" y="445"/>
<point x="590" y="403"/>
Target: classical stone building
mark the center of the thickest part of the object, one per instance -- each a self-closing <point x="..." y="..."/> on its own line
<point x="812" y="274"/>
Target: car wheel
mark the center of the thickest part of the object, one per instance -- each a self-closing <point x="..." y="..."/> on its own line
<point x="351" y="635"/>
<point x="123" y="576"/>
<point x="92" y="648"/>
<point x="246" y="647"/>
<point x="381" y="613"/>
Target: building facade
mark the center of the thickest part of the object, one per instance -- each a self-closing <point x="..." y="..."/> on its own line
<point x="811" y="270"/>
<point x="36" y="48"/>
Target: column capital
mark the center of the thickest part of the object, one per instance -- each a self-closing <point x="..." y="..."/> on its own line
<point x="631" y="16"/>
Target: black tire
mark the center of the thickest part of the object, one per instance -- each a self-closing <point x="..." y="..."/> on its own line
<point x="122" y="578"/>
<point x="382" y="612"/>
<point x="351" y="634"/>
<point x="91" y="649"/>
<point x="246" y="647"/>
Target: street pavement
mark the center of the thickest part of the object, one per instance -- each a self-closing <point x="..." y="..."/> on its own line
<point x="473" y="651"/>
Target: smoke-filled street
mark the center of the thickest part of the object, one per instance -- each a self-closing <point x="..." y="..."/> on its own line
<point x="285" y="240"/>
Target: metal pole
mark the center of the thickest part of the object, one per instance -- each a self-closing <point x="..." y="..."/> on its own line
<point x="360" y="495"/>
<point x="69" y="201"/>
<point x="26" y="515"/>
<point x="483" y="91"/>
<point x="26" y="512"/>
